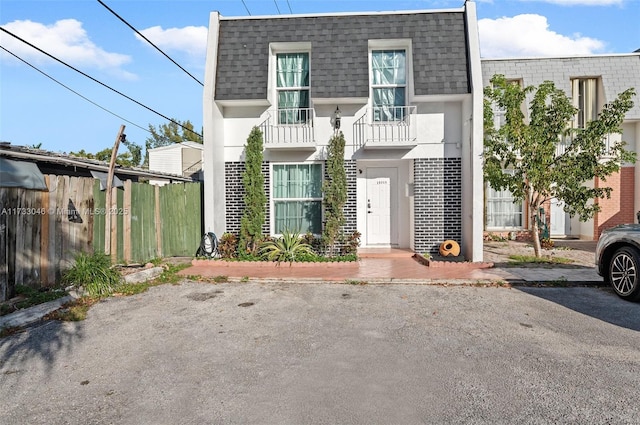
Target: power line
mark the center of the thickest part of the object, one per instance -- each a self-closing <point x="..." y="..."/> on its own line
<point x="291" y="11"/>
<point x="72" y="90"/>
<point x="245" y="6"/>
<point x="149" y="41"/>
<point x="277" y="7"/>
<point x="97" y="81"/>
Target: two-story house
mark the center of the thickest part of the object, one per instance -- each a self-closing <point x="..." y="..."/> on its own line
<point x="591" y="82"/>
<point x="406" y="90"/>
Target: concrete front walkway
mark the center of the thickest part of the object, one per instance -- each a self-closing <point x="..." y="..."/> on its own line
<point x="389" y="265"/>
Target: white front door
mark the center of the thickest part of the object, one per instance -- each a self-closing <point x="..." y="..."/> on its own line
<point x="559" y="219"/>
<point x="382" y="205"/>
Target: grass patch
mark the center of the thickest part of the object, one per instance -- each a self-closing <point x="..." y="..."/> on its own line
<point x="94" y="273"/>
<point x="221" y="279"/>
<point x="169" y="275"/>
<point x="532" y="259"/>
<point x="29" y="297"/>
<point x="74" y="311"/>
<point x="8" y="331"/>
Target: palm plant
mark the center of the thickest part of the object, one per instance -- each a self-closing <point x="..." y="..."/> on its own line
<point x="288" y="247"/>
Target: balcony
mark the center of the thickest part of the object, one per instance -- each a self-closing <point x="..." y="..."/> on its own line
<point x="289" y="129"/>
<point x="386" y="128"/>
<point x="610" y="140"/>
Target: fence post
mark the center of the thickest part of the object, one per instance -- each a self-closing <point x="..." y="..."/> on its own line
<point x="44" y="234"/>
<point x="158" y="221"/>
<point x="126" y="208"/>
<point x="112" y="164"/>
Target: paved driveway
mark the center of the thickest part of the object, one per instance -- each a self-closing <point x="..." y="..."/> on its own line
<point x="287" y="353"/>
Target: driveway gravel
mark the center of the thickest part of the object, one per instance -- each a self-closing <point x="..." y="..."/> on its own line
<point x="291" y="353"/>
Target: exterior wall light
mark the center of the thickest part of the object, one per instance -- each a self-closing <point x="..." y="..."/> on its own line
<point x="337" y="115"/>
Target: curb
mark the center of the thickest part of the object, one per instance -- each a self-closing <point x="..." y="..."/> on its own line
<point x="30" y="315"/>
<point x="35" y="313"/>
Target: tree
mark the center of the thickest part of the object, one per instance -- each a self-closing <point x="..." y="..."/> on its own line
<point x="523" y="158"/>
<point x="132" y="158"/>
<point x="167" y="134"/>
<point x="254" y="196"/>
<point x="335" y="190"/>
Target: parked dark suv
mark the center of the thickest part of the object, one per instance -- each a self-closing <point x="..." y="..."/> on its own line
<point x="618" y="260"/>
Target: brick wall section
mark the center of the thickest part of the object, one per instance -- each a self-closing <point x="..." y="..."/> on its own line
<point x="437" y="202"/>
<point x="234" y="195"/>
<point x="234" y="192"/>
<point x="350" y="209"/>
<point x="619" y="208"/>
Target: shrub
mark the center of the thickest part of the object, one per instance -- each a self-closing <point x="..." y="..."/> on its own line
<point x="228" y="245"/>
<point x="94" y="273"/>
<point x="334" y="189"/>
<point x="255" y="198"/>
<point x="289" y="247"/>
<point x="350" y="243"/>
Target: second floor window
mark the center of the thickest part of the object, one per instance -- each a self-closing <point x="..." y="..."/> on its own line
<point x="584" y="94"/>
<point x="388" y="84"/>
<point x="292" y="85"/>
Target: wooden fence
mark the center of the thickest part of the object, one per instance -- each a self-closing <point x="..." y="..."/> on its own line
<point x="42" y="231"/>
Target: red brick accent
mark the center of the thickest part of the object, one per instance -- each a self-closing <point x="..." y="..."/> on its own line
<point x="619" y="208"/>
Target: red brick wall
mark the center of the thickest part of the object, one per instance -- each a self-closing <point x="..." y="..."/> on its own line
<point x="619" y="208"/>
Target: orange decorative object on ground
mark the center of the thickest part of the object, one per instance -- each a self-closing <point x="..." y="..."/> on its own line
<point x="449" y="248"/>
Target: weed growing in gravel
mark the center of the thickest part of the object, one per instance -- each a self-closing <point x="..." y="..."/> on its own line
<point x="355" y="282"/>
<point x="517" y="259"/>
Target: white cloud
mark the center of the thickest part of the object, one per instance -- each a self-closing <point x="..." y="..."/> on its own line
<point x="529" y="35"/>
<point x="66" y="40"/>
<point x="191" y="40"/>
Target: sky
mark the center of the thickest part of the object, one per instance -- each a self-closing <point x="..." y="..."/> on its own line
<point x="35" y="110"/>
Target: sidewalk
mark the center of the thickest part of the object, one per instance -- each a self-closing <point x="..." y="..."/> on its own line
<point x="395" y="266"/>
<point x="391" y="270"/>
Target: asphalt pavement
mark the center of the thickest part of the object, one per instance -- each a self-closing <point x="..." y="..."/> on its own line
<point x="317" y="353"/>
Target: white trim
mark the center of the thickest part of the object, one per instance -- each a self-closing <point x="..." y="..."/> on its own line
<point x="391" y="44"/>
<point x="537" y="58"/>
<point x="272" y="85"/>
<point x="316" y="15"/>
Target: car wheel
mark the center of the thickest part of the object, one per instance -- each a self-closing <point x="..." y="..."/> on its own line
<point x="624" y="273"/>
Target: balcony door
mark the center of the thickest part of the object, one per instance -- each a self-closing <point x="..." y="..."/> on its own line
<point x="382" y="206"/>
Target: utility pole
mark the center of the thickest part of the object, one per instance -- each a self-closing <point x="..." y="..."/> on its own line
<point x="108" y="215"/>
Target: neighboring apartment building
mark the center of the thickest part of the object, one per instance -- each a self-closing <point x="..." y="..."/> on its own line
<point x="591" y="81"/>
<point x="407" y="90"/>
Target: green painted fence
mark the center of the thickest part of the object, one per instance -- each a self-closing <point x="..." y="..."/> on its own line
<point x="42" y="231"/>
<point x="150" y="221"/>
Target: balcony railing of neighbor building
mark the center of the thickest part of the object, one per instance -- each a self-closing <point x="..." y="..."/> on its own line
<point x="610" y="140"/>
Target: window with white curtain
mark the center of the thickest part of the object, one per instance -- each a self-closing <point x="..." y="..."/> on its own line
<point x="585" y="98"/>
<point x="292" y="86"/>
<point x="388" y="84"/>
<point x="297" y="198"/>
<point x="503" y="211"/>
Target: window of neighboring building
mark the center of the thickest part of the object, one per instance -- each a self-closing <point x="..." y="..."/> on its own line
<point x="292" y="86"/>
<point x="502" y="211"/>
<point x="585" y="98"/>
<point x="388" y="84"/>
<point x="297" y="198"/>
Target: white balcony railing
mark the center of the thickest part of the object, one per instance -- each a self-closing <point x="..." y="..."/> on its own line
<point x="610" y="140"/>
<point x="289" y="127"/>
<point x="386" y="127"/>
